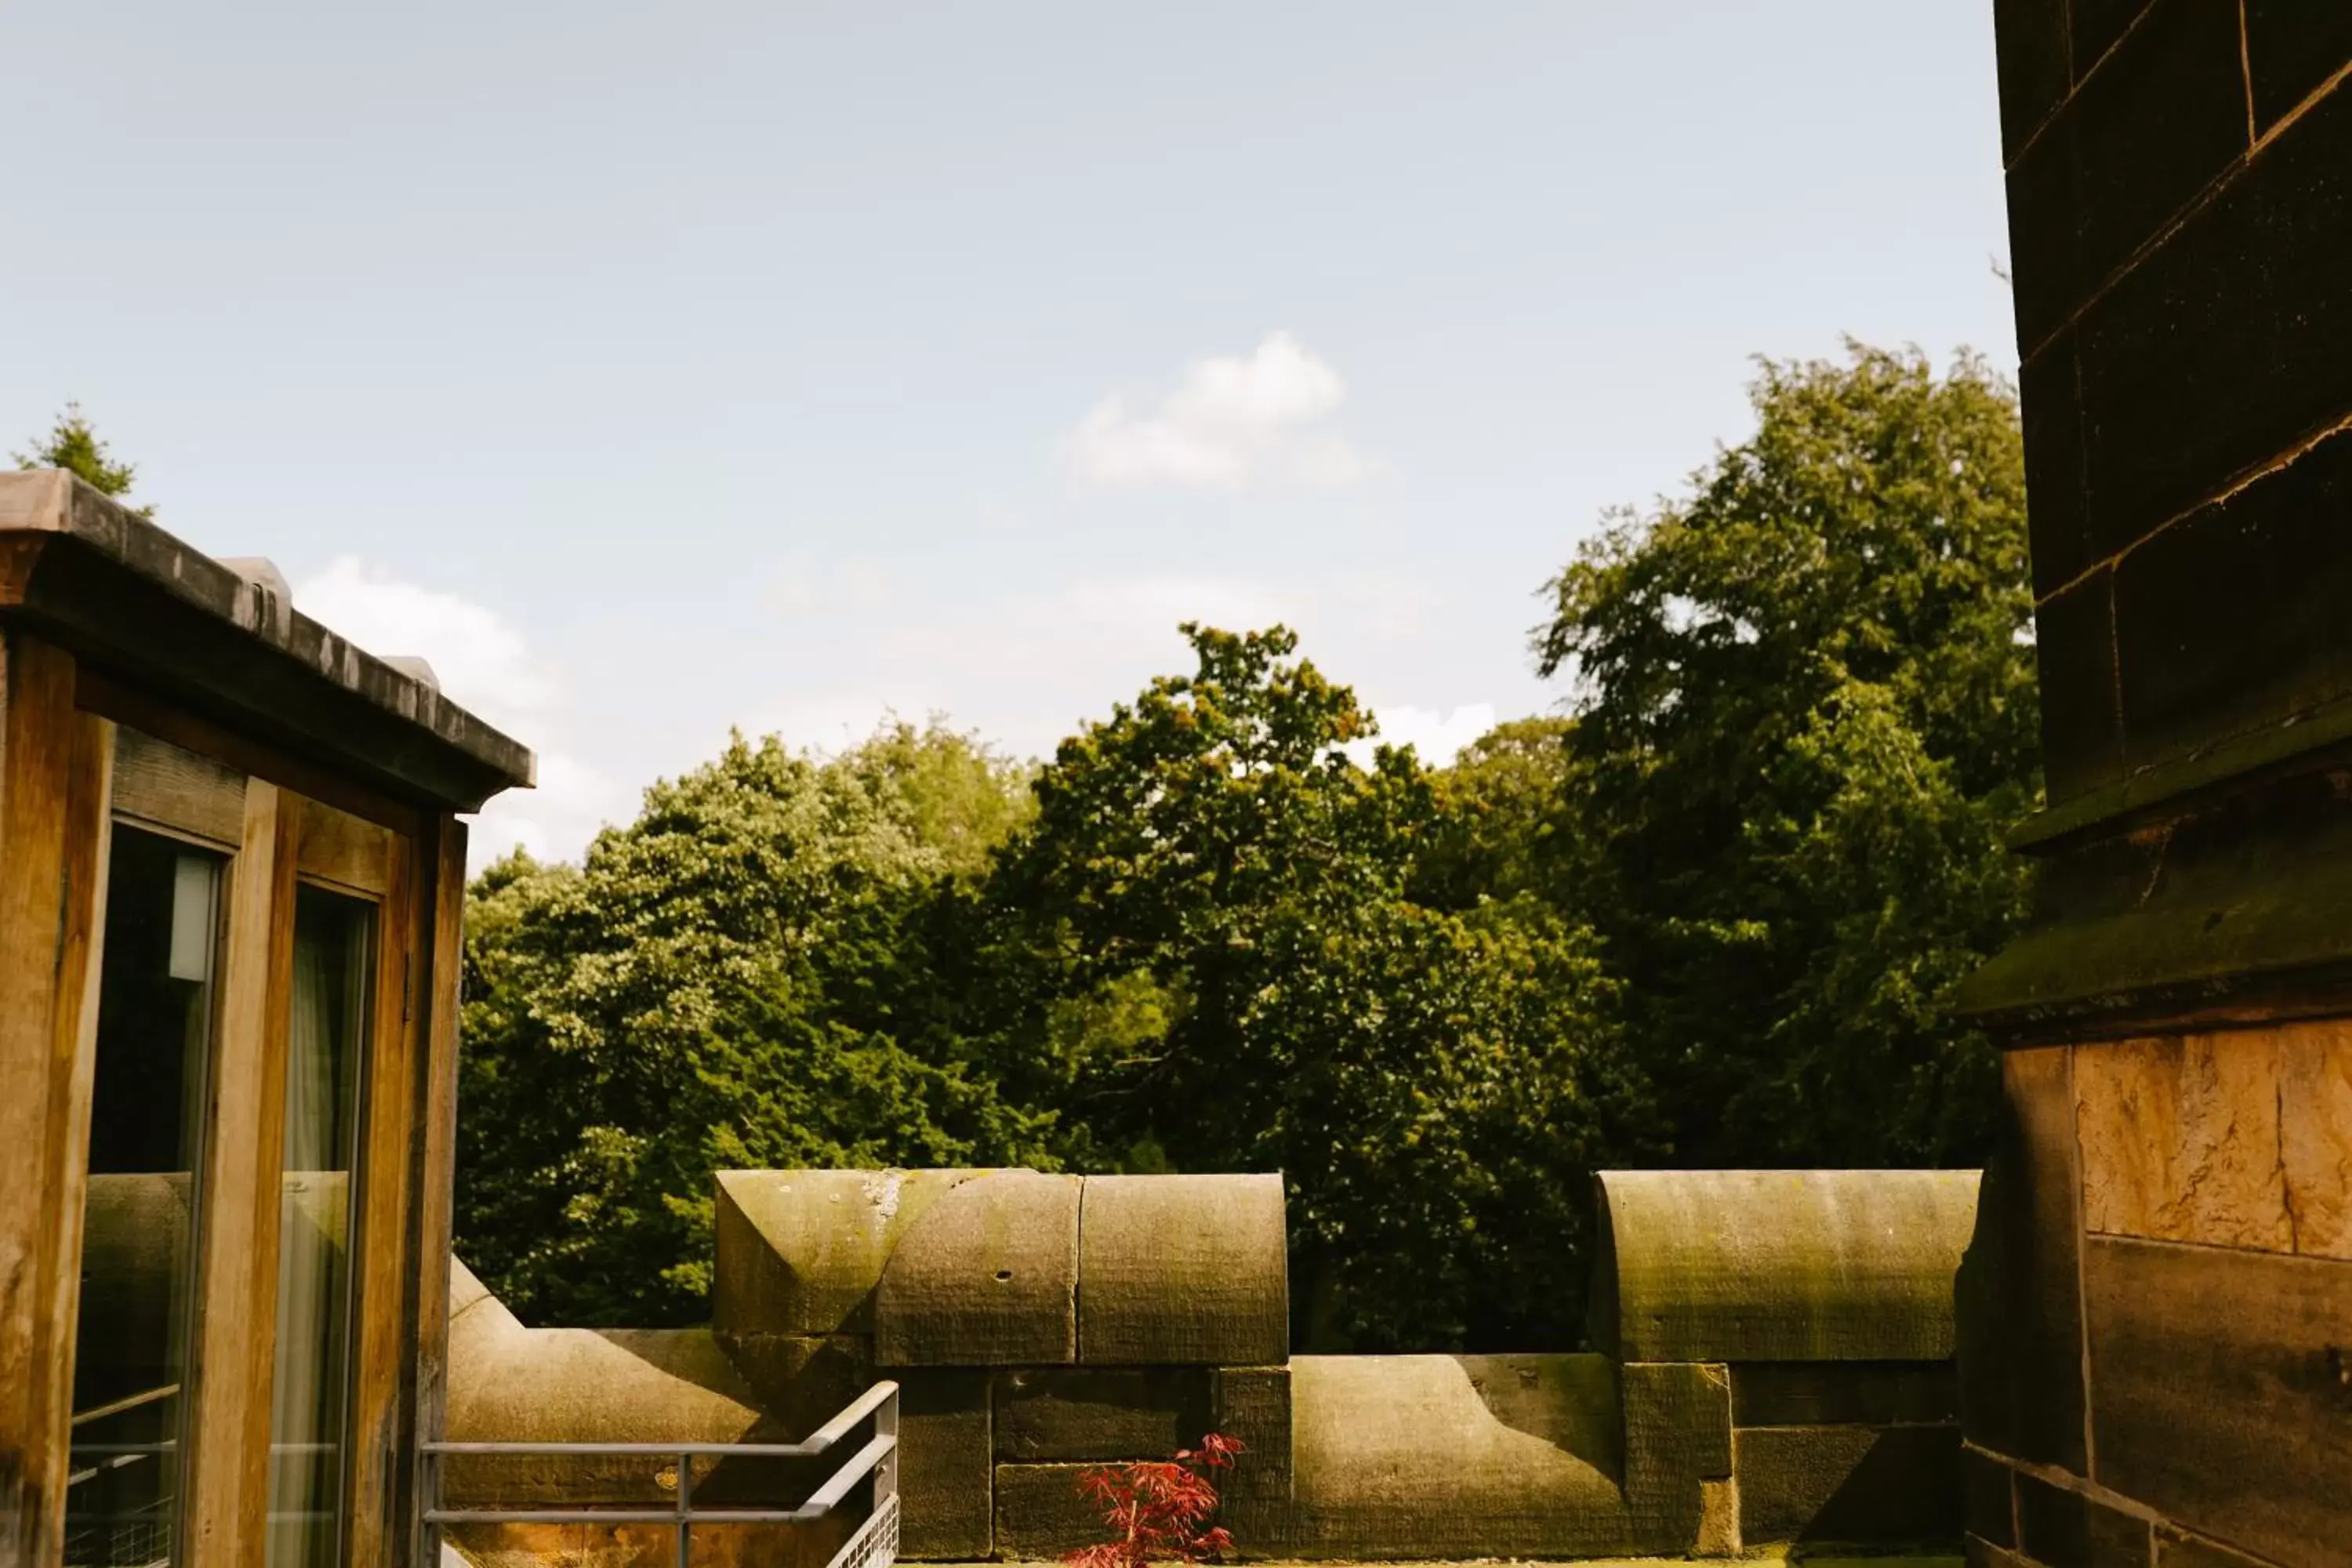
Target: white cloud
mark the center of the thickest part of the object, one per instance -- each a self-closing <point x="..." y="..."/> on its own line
<point x="1231" y="422"/>
<point x="1433" y="735"/>
<point x="486" y="664"/>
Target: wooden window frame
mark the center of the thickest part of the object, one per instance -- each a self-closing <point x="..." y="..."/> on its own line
<point x="283" y="821"/>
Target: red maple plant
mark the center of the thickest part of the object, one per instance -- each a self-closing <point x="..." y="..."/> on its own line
<point x="1159" y="1512"/>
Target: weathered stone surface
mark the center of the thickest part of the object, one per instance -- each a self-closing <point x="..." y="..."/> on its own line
<point x="2217" y="1391"/>
<point x="1401" y="1457"/>
<point x="1182" y="1269"/>
<point x="2315" y="1062"/>
<point x="2180" y="1140"/>
<point x="2226" y="345"/>
<point x="1677" y="1436"/>
<point x="2230" y="620"/>
<point x="1041" y="1513"/>
<point x="511" y="1383"/>
<point x="2081" y="727"/>
<point x="2291" y="48"/>
<point x="2060" y="1526"/>
<point x="946" y="1469"/>
<point x="1779" y="1264"/>
<point x="802" y="1381"/>
<point x="1844" y="1394"/>
<point x="1850" y="1485"/>
<point x="2020" y="1332"/>
<point x="195" y="629"/>
<point x="801" y="1252"/>
<point x="1988" y="1503"/>
<point x="987" y="1277"/>
<point x="2175" y="1550"/>
<point x="1982" y="1553"/>
<point x="1253" y="1404"/>
<point x="1053" y="1413"/>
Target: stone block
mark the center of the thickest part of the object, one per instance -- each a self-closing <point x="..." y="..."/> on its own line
<point x="946" y="1467"/>
<point x="2292" y="47"/>
<point x="1175" y="1269"/>
<point x="802" y="1381"/>
<point x="2157" y="123"/>
<point x="1849" y="1485"/>
<point x="2033" y="49"/>
<point x="2315" y="1134"/>
<point x="2227" y="344"/>
<point x="2052" y="420"/>
<point x="2019" y="1320"/>
<point x="1041" y="1513"/>
<point x="1251" y="1404"/>
<point x="510" y="1384"/>
<point x="987" y="1277"/>
<point x="2219" y="1389"/>
<point x="1677" y="1426"/>
<point x="1844" y="1394"/>
<point x="2097" y="26"/>
<point x="2069" y="1529"/>
<point x="1988" y="1503"/>
<point x="1054" y="1414"/>
<point x="801" y="1252"/>
<point x="1979" y="1553"/>
<point x="2175" y="1550"/>
<point x="1401" y="1457"/>
<point x="2081" y="727"/>
<point x="2180" y="1140"/>
<point x="1705" y="1266"/>
<point x="2231" y="618"/>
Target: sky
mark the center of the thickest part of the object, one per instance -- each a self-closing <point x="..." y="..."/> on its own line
<point x="661" y="371"/>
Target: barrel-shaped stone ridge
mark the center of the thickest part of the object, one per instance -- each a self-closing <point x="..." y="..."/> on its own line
<point x="988" y="1276"/>
<point x="1737" y="1266"/>
<point x="802" y="1252"/>
<point x="1183" y="1270"/>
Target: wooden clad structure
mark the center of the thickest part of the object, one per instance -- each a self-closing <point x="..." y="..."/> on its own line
<point x="231" y="878"/>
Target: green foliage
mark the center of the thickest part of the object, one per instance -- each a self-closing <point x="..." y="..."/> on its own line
<point x="1807" y="716"/>
<point x="728" y="981"/>
<point x="1715" y="918"/>
<point x="72" y="445"/>
<point x="1432" y="1084"/>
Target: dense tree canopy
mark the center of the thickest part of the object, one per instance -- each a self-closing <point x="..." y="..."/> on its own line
<point x="1711" y="915"/>
<point x="1806" y="715"/>
<point x="1432" y="1081"/>
<point x="1715" y="916"/>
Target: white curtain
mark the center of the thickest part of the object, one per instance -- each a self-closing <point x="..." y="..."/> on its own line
<point x="322" y="1058"/>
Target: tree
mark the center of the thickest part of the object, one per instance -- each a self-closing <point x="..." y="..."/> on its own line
<point x="72" y="445"/>
<point x="1434" y="1085"/>
<point x="1806" y="716"/>
<point x="728" y="982"/>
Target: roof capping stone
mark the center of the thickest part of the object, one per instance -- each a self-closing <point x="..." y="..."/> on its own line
<point x="224" y="638"/>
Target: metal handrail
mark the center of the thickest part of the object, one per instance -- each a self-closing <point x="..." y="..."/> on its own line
<point x="877" y="1457"/>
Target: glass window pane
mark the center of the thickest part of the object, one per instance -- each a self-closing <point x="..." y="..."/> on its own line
<point x="146" y="1138"/>
<point x="334" y="948"/>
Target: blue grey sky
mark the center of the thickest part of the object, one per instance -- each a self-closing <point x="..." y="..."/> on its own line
<point x="659" y="370"/>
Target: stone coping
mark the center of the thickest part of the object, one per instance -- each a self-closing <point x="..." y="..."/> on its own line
<point x="132" y="599"/>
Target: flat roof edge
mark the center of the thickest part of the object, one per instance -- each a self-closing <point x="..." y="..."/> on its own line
<point x="43" y="505"/>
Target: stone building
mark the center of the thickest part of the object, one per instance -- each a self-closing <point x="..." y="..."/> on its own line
<point x="2158" y="1311"/>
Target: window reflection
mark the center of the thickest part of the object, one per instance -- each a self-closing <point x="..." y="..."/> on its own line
<point x="147" y="1110"/>
<point x="326" y="1049"/>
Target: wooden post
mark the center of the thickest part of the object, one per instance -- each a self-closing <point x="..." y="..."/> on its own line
<point x="53" y="793"/>
<point x="228" y="1478"/>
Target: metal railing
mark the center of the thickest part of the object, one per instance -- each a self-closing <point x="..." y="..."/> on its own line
<point x="874" y="1544"/>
